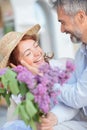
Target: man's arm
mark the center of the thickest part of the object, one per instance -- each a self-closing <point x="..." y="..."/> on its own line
<point x="63" y="112"/>
<point x="75" y="94"/>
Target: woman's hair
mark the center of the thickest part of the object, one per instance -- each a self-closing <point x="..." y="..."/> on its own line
<point x="48" y="56"/>
<point x="71" y="7"/>
<point x="14" y="57"/>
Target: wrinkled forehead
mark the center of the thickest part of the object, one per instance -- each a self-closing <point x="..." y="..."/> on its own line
<point x="61" y="13"/>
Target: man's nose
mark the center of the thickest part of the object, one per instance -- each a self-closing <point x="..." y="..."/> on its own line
<point x="62" y="29"/>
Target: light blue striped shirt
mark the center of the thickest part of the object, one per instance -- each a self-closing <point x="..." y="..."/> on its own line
<point x="74" y="93"/>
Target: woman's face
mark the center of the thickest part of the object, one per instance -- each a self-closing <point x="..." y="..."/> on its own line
<point x="30" y="51"/>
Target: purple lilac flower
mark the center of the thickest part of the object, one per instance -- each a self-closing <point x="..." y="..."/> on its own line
<point x="44" y="68"/>
<point x="19" y="69"/>
<point x="70" y="66"/>
<point x="3" y="71"/>
<point x="42" y="86"/>
<point x="27" y="78"/>
<point x="24" y="75"/>
<point x="43" y="102"/>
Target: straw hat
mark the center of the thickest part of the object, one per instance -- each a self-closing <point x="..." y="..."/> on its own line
<point x="10" y="41"/>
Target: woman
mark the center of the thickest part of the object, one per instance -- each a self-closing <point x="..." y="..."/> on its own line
<point x="28" y="52"/>
<point x="23" y="48"/>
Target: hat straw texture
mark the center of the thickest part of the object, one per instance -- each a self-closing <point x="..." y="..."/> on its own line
<point x="11" y="40"/>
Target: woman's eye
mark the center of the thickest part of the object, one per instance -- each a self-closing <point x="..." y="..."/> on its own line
<point x="28" y="54"/>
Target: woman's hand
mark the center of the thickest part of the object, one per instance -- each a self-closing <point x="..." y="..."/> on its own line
<point x="29" y="67"/>
<point x="12" y="65"/>
<point x="48" y="122"/>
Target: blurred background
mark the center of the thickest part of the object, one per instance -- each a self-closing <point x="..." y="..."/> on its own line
<point x="18" y="15"/>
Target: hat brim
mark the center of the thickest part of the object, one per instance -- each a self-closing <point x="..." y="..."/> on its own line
<point x="13" y="38"/>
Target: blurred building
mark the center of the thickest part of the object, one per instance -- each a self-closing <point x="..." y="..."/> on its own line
<point x="7" y="16"/>
<point x="1" y="23"/>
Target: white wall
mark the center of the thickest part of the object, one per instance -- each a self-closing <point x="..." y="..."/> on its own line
<point x="24" y="14"/>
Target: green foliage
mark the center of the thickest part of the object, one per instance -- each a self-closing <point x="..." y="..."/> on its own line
<point x="10" y="82"/>
<point x="27" y="110"/>
<point x="23" y="89"/>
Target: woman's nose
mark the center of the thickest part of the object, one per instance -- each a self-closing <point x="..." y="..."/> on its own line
<point x="36" y="53"/>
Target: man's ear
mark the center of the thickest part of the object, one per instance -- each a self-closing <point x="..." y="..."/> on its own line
<point x="81" y="16"/>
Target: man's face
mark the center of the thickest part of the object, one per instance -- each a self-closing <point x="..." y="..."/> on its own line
<point x="69" y="25"/>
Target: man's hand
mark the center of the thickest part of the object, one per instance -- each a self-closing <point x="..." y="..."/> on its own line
<point x="48" y="122"/>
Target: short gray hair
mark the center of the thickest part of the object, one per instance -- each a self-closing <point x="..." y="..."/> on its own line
<point x="71" y="7"/>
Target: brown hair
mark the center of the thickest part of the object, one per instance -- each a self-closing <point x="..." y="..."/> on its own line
<point x="15" y="53"/>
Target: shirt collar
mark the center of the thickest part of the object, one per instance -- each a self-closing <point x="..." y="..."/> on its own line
<point x="83" y="48"/>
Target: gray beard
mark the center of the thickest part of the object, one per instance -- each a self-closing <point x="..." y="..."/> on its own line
<point x="75" y="40"/>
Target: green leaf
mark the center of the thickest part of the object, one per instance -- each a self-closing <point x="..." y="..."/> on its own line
<point x="4" y="81"/>
<point x="33" y="125"/>
<point x="9" y="80"/>
<point x="7" y="98"/>
<point x="10" y="73"/>
<point x="37" y="117"/>
<point x="2" y="90"/>
<point x="6" y="95"/>
<point x="30" y="108"/>
<point x="23" y="88"/>
<point x="23" y="114"/>
<point x="16" y="111"/>
<point x="29" y="96"/>
<point x="13" y="85"/>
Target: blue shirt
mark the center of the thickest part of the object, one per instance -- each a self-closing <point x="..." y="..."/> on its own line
<point x="74" y="92"/>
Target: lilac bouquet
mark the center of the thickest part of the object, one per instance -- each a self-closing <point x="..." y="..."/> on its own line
<point x="37" y="92"/>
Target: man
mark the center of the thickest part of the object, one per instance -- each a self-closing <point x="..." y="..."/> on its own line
<point x="72" y="14"/>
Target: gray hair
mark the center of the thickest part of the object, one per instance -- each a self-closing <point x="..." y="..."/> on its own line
<point x="71" y="7"/>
